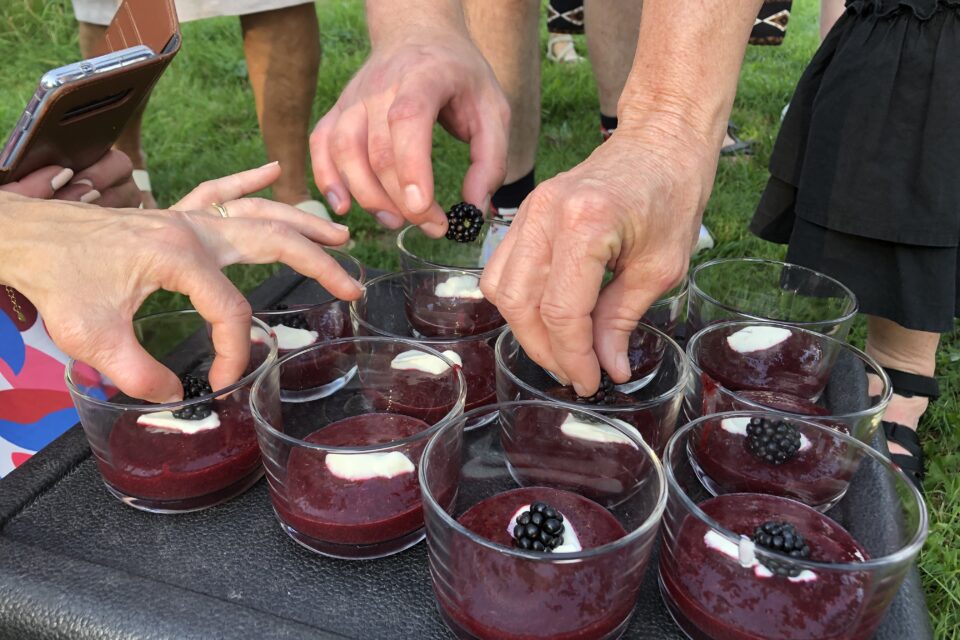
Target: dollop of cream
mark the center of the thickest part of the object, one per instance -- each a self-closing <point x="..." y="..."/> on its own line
<point x="289" y="338"/>
<point x="757" y="338"/>
<point x="743" y="555"/>
<point x="419" y="361"/>
<point x="365" y="466"/>
<point x="164" y="421"/>
<point x="571" y="541"/>
<point x="465" y="286"/>
<point x="738" y="426"/>
<point x="598" y="432"/>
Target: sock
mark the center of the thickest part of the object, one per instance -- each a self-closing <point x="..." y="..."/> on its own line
<point x="608" y="124"/>
<point x="509" y="197"/>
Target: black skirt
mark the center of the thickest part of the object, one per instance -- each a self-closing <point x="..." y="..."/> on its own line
<point x="865" y="173"/>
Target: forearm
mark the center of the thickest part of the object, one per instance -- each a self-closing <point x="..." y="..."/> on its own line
<point x="687" y="64"/>
<point x="397" y="20"/>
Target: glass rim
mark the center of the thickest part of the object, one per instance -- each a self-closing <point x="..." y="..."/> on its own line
<point x="455" y="412"/>
<point x="675" y="390"/>
<point x="401" y="237"/>
<point x="869" y="362"/>
<point x="355" y="314"/>
<point x="651" y="522"/>
<point x="246" y="380"/>
<point x="907" y="550"/>
<point x="844" y="288"/>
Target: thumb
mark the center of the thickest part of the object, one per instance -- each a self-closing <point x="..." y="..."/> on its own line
<point x="619" y="309"/>
<point x="132" y="370"/>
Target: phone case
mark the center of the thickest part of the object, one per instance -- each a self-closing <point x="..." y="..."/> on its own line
<point x="83" y="119"/>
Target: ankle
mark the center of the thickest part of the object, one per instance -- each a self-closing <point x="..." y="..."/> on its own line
<point x="906" y="410"/>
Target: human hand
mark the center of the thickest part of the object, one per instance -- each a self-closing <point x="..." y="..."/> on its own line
<point x="375" y="143"/>
<point x="88" y="269"/>
<point x="108" y="182"/>
<point x="633" y="207"/>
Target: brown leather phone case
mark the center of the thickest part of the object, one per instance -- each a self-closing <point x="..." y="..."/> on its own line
<point x="83" y="119"/>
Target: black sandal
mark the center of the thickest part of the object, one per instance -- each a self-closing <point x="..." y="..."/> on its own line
<point x="739" y="147"/>
<point x="909" y="385"/>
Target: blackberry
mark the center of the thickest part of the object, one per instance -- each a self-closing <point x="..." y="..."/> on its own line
<point x="465" y="222"/>
<point x="601" y="396"/>
<point x="292" y="320"/>
<point x="784" y="538"/>
<point x="539" y="529"/>
<point x="776" y="442"/>
<point x="194" y="387"/>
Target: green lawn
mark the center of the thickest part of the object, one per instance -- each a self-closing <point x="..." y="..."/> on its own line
<point x="201" y="124"/>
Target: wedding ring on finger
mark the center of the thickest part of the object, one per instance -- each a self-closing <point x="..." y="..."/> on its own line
<point x="222" y="210"/>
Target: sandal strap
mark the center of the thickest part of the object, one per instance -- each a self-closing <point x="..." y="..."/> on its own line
<point x="903" y="436"/>
<point x="912" y="467"/>
<point x="910" y="384"/>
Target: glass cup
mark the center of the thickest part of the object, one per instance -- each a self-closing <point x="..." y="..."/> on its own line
<point x="768" y="290"/>
<point x="420" y="251"/>
<point x="651" y="408"/>
<point x="788" y="377"/>
<point x="486" y="583"/>
<point x="342" y="468"/>
<point x="438" y="308"/>
<point x="153" y="456"/>
<point x="666" y="313"/>
<point x="833" y="574"/>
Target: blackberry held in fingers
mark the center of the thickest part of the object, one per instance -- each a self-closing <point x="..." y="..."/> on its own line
<point x="465" y="222"/>
<point x="539" y="529"/>
<point x="600" y="397"/>
<point x="292" y="320"/>
<point x="784" y="538"/>
<point x="773" y="441"/>
<point x="194" y="387"/>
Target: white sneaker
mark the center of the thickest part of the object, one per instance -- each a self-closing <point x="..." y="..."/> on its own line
<point x="499" y="225"/>
<point x="316" y="208"/>
<point x="705" y="241"/>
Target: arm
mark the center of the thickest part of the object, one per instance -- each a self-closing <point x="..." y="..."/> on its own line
<point x="633" y="206"/>
<point x="375" y="143"/>
<point x="88" y="269"/>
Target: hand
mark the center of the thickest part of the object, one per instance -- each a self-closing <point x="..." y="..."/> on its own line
<point x="376" y="142"/>
<point x="634" y="207"/>
<point x="88" y="269"/>
<point x="108" y="182"/>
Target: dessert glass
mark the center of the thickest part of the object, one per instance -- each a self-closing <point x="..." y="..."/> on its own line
<point x="342" y="468"/>
<point x="768" y="290"/>
<point x="180" y="465"/>
<point x="651" y="408"/>
<point x="420" y="251"/>
<point x="404" y="305"/>
<point x="721" y="584"/>
<point x="488" y="587"/>
<point x="788" y="377"/>
<point x="667" y="312"/>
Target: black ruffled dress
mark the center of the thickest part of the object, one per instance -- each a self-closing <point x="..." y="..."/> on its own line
<point x="865" y="174"/>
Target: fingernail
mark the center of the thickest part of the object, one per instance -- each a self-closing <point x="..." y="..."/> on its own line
<point x="414" y="198"/>
<point x="623" y="364"/>
<point x="433" y="229"/>
<point x="359" y="285"/>
<point x="340" y="227"/>
<point x="581" y="391"/>
<point x="271" y="164"/>
<point x="333" y="200"/>
<point x="177" y="397"/>
<point x="388" y="219"/>
<point x="84" y="181"/>
<point x="61" y="179"/>
<point x="90" y="196"/>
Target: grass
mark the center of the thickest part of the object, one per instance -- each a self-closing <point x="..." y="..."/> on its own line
<point x="201" y="124"/>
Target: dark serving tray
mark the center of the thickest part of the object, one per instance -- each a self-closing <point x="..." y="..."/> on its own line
<point x="77" y="564"/>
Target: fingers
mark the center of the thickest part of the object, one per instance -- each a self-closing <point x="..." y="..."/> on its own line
<point x="310" y="226"/>
<point x="410" y="121"/>
<point x="230" y="187"/>
<point x="488" y="161"/>
<point x="325" y="172"/>
<point x="113" y="168"/>
<point x="42" y="183"/>
<point x="124" y="195"/>
<point x="127" y="364"/>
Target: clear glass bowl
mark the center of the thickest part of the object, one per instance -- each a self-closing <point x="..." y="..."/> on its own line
<point x="150" y="460"/>
<point x="651" y="408"/>
<point x="611" y="501"/>
<point x="420" y="251"/>
<point x="788" y="377"/>
<point x="722" y="584"/>
<point x="669" y="310"/>
<point x="342" y="467"/>
<point x="768" y="290"/>
<point x="406" y="305"/>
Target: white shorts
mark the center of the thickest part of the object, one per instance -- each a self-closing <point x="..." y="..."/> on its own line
<point x="101" y="11"/>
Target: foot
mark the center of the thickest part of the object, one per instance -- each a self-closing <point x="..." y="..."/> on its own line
<point x="733" y="146"/>
<point x="314" y="207"/>
<point x="705" y="241"/>
<point x="142" y="179"/>
<point x="561" y="48"/>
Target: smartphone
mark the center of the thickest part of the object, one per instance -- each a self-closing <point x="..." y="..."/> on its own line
<point x="62" y="79"/>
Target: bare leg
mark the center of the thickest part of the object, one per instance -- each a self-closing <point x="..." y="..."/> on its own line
<point x="506" y="32"/>
<point x="283" y="58"/>
<point x="612" y="28"/>
<point x="129" y="140"/>
<point x="912" y="351"/>
<point x="830" y="12"/>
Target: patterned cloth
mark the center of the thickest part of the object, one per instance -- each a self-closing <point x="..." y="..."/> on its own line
<point x="101" y="11"/>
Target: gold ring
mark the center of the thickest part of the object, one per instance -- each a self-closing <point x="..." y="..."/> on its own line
<point x="222" y="210"/>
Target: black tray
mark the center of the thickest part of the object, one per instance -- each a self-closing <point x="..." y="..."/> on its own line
<point x="77" y="564"/>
